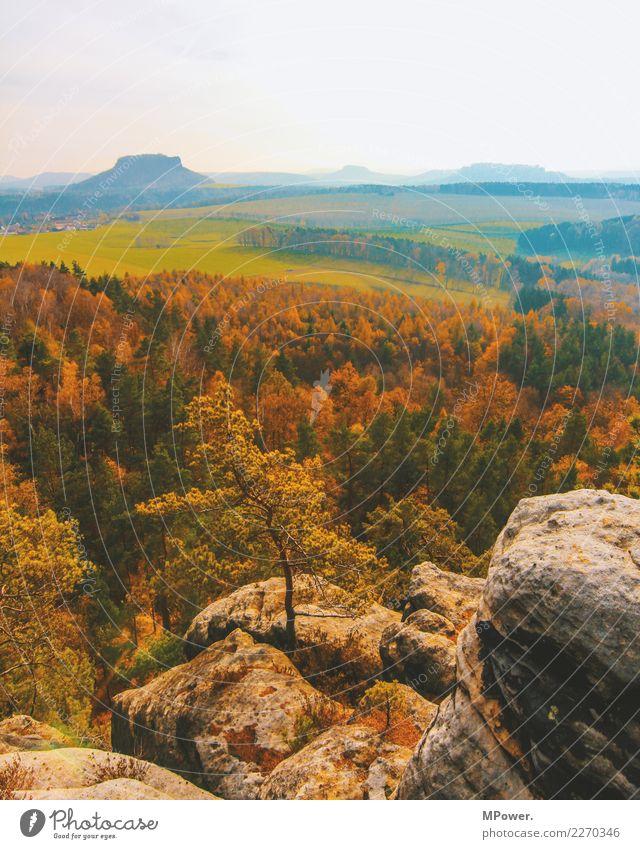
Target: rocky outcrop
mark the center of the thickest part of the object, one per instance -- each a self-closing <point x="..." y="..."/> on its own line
<point x="345" y="762"/>
<point x="547" y="671"/>
<point x="419" y="711"/>
<point x="362" y="759"/>
<point x="421" y="652"/>
<point x="338" y="651"/>
<point x="453" y="596"/>
<point x="20" y="733"/>
<point x="70" y="773"/>
<point x="225" y="719"/>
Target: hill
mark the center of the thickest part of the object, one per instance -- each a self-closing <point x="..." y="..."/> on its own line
<point x="479" y="172"/>
<point x="46" y="180"/>
<point x="142" y="172"/>
<point x="497" y="172"/>
<point x="615" y="235"/>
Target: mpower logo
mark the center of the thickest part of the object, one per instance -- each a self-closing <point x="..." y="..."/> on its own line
<point x="32" y="822"/>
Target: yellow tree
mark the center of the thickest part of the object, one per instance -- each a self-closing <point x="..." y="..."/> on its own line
<point x="44" y="665"/>
<point x="258" y="506"/>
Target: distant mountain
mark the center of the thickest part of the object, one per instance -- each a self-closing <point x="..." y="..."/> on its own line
<point x="358" y="175"/>
<point x="496" y="172"/>
<point x="435" y="177"/>
<point x="42" y="181"/>
<point x="143" y="172"/>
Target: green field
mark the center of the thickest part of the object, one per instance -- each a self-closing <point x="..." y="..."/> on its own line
<point x="403" y="211"/>
<point x="499" y="236"/>
<point x="159" y="242"/>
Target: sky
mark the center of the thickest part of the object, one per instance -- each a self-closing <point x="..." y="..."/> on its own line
<point x="293" y="85"/>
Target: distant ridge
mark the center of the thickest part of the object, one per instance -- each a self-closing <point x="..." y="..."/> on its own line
<point x="498" y="172"/>
<point x="141" y="172"/>
<point x="45" y="180"/>
<point x="479" y="172"/>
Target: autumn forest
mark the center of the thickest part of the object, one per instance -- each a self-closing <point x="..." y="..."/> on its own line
<point x="171" y="438"/>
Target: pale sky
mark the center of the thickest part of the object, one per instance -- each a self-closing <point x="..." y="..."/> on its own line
<point x="401" y="86"/>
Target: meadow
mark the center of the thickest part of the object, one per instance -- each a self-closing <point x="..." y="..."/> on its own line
<point x="409" y="209"/>
<point x="171" y="240"/>
<point x="208" y="238"/>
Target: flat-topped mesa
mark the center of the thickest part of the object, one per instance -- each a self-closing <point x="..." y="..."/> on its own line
<point x="545" y="704"/>
<point x="143" y="171"/>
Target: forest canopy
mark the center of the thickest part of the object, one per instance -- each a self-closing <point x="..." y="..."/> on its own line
<point x="167" y="439"/>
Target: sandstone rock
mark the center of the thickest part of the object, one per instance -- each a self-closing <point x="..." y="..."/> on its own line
<point x="453" y="596"/>
<point x="337" y="650"/>
<point x="345" y="762"/>
<point x="117" y="788"/>
<point x="22" y="733"/>
<point x="396" y="711"/>
<point x="71" y="773"/>
<point x="421" y="711"/>
<point x="425" y="659"/>
<point x="432" y="623"/>
<point x="225" y="719"/>
<point x="547" y="694"/>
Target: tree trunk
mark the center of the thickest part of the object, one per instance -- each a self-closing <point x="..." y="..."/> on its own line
<point x="134" y="629"/>
<point x="292" y="642"/>
<point x="163" y="610"/>
<point x="161" y="600"/>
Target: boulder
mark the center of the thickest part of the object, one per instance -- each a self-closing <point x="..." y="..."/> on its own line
<point x="345" y="762"/>
<point x="421" y="652"/>
<point x="547" y="671"/>
<point x="420" y="712"/>
<point x="338" y="651"/>
<point x="117" y="788"/>
<point x="451" y="595"/>
<point x="395" y="711"/>
<point x="71" y="773"/>
<point x="22" y="733"/>
<point x="254" y="608"/>
<point x="225" y="719"/>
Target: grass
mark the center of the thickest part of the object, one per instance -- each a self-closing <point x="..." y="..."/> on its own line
<point x="158" y="242"/>
<point x="113" y="767"/>
<point x="381" y="211"/>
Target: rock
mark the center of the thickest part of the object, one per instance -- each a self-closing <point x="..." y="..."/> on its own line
<point x="117" y="788"/>
<point x="22" y="733"/>
<point x="225" y="719"/>
<point x="432" y="623"/>
<point x="345" y="762"/>
<point x="338" y="652"/>
<point x="417" y="655"/>
<point x="395" y="711"/>
<point x="420" y="711"/>
<point x="547" y="672"/>
<point x="453" y="596"/>
<point x="71" y="773"/>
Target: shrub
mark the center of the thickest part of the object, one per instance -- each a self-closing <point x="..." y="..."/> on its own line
<point x="319" y="714"/>
<point x="115" y="766"/>
<point x="158" y="655"/>
<point x="14" y="778"/>
<point x="387" y="697"/>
